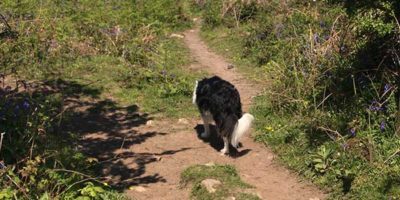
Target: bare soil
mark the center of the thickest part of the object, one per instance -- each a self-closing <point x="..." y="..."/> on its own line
<point x="149" y="154"/>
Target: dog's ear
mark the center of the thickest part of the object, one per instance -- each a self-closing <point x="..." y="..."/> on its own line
<point x="203" y="87"/>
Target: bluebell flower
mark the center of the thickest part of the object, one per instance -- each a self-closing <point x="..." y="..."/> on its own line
<point x="375" y="106"/>
<point x="382" y="126"/>
<point x="352" y="132"/>
<point x="387" y="88"/>
<point x="2" y="165"/>
<point x="25" y="105"/>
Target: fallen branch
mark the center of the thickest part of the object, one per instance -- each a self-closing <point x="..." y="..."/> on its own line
<point x="1" y="139"/>
<point x="393" y="155"/>
<point x="323" y="101"/>
<point x="336" y="133"/>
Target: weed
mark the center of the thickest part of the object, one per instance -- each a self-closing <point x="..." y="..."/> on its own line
<point x="231" y="182"/>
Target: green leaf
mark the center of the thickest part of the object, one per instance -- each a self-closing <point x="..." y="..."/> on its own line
<point x="7" y="193"/>
<point x="45" y="196"/>
<point x="317" y="160"/>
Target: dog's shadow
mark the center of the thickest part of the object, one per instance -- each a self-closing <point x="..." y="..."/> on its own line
<point x="217" y="143"/>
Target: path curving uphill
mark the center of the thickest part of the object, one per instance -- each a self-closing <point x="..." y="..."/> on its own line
<point x="148" y="156"/>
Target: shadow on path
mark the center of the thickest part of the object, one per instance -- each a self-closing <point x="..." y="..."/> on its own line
<point x="106" y="131"/>
<point x="216" y="142"/>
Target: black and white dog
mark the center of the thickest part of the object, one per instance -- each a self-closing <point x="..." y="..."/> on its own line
<point x="219" y="101"/>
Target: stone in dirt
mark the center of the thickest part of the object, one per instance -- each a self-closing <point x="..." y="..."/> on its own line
<point x="174" y="35"/>
<point x="230" y="66"/>
<point x="210" y="164"/>
<point x="183" y="121"/>
<point x="137" y="188"/>
<point x="149" y="123"/>
<point x="210" y="184"/>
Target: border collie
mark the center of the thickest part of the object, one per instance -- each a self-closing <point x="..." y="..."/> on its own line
<point x="219" y="101"/>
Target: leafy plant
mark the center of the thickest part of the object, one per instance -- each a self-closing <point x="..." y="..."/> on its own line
<point x="90" y="191"/>
<point x="322" y="160"/>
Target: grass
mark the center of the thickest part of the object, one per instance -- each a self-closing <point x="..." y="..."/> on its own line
<point x="232" y="185"/>
<point x="110" y="75"/>
<point x="229" y="43"/>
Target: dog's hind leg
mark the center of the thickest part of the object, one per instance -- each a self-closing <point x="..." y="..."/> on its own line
<point x="206" y="120"/>
<point x="225" y="150"/>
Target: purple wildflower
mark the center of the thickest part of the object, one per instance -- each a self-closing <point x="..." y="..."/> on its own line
<point x="382" y="126"/>
<point x="375" y="106"/>
<point x="25" y="105"/>
<point x="2" y="165"/>
<point x="387" y="88"/>
<point x="345" y="146"/>
<point x="352" y="132"/>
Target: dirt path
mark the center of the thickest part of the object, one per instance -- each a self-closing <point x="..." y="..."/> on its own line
<point x="152" y="154"/>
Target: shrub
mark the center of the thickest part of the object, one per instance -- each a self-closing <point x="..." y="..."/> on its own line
<point x="333" y="98"/>
<point x="69" y="41"/>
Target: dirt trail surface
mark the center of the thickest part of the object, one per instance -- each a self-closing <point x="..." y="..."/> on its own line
<point x="149" y="155"/>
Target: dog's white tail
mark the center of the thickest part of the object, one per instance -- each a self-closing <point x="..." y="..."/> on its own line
<point x="241" y="128"/>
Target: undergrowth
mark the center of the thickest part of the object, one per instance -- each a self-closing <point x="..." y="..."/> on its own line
<point x="331" y="110"/>
<point x="54" y="52"/>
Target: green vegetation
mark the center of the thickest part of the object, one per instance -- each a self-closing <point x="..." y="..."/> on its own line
<point x="231" y="185"/>
<point x="331" y="110"/>
<point x="55" y="52"/>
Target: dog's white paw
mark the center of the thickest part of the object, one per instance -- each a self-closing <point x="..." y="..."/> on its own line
<point x="204" y="135"/>
<point x="224" y="151"/>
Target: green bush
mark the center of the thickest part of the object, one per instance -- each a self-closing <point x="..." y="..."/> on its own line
<point x="113" y="45"/>
<point x="332" y="107"/>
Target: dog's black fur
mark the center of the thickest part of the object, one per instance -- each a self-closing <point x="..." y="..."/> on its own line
<point x="222" y="100"/>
